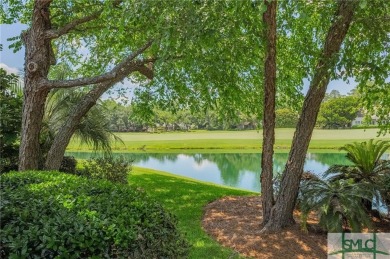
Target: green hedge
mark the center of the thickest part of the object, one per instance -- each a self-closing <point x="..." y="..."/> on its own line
<point x="56" y="215"/>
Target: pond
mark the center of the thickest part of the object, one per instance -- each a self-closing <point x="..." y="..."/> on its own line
<point x="239" y="170"/>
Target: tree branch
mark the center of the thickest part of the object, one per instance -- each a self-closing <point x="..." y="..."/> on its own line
<point x="146" y="70"/>
<point x="120" y="69"/>
<point x="52" y="34"/>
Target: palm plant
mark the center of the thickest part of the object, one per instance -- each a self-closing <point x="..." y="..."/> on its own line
<point x="338" y="204"/>
<point x="367" y="163"/>
<point x="92" y="130"/>
<point x="367" y="167"/>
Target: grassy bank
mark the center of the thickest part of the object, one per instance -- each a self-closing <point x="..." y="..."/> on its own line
<point x="186" y="198"/>
<point x="230" y="140"/>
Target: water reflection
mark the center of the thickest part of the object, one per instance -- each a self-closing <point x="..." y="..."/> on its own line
<point x="232" y="169"/>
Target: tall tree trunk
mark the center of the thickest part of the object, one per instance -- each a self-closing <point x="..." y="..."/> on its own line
<point x="282" y="212"/>
<point x="37" y="59"/>
<point x="269" y="19"/>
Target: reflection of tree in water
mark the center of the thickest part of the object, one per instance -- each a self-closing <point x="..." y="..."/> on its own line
<point x="279" y="162"/>
<point x="161" y="157"/>
<point x="230" y="165"/>
<point x="330" y="158"/>
<point x="88" y="155"/>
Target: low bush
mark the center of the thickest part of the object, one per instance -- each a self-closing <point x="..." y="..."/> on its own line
<point x="68" y="165"/>
<point x="108" y="168"/>
<point x="56" y="215"/>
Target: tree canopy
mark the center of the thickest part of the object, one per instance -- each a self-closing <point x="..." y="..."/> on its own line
<point x="198" y="55"/>
<point x="338" y="112"/>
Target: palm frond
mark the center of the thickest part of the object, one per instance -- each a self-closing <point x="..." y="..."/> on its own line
<point x="93" y="128"/>
<point x="337" y="202"/>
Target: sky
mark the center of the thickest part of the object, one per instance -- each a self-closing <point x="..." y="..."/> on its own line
<point x="14" y="62"/>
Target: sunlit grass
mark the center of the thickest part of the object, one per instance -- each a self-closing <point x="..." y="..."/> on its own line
<point x="245" y="141"/>
<point x="186" y="199"/>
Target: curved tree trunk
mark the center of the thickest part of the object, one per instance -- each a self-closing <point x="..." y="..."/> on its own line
<point x="37" y="58"/>
<point x="269" y="19"/>
<point x="65" y="133"/>
<point x="282" y="212"/>
<point x="63" y="136"/>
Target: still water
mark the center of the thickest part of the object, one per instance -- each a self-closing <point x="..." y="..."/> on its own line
<point x="240" y="170"/>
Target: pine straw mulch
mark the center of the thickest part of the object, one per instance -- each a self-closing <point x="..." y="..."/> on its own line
<point x="234" y="221"/>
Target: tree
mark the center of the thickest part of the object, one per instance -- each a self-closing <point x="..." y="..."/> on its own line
<point x="269" y="19"/>
<point x="333" y="94"/>
<point x="93" y="129"/>
<point x="10" y="120"/>
<point x="286" y="118"/>
<point x="338" y="112"/>
<point x="104" y="46"/>
<point x="282" y="212"/>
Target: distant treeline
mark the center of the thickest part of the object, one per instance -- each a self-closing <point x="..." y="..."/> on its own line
<point x="337" y="111"/>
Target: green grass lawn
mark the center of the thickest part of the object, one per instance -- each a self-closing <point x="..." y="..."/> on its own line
<point x="186" y="199"/>
<point x="230" y="140"/>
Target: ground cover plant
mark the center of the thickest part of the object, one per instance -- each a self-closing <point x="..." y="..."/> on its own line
<point x="186" y="199"/>
<point x="55" y="215"/>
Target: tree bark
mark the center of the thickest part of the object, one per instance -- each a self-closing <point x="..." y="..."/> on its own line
<point x="37" y="64"/>
<point x="269" y="19"/>
<point x="282" y="212"/>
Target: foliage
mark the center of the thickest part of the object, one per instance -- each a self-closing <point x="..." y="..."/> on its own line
<point x="93" y="129"/>
<point x="338" y="112"/>
<point x="10" y="120"/>
<point x="306" y="177"/>
<point x="68" y="165"/>
<point x="338" y="204"/>
<point x="186" y="198"/>
<point x="126" y="118"/>
<point x="332" y="95"/>
<point x="367" y="167"/>
<point x="119" y="117"/>
<point x="385" y="191"/>
<point x="367" y="163"/>
<point x="109" y="168"/>
<point x="286" y="118"/>
<point x="50" y="214"/>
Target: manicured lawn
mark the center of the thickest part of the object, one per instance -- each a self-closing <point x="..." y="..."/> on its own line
<point x="186" y="198"/>
<point x="229" y="140"/>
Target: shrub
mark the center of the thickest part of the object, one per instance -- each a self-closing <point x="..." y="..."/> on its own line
<point x="51" y="214"/>
<point x="11" y="101"/>
<point x="338" y="204"/>
<point x="68" y="165"/>
<point x="108" y="168"/>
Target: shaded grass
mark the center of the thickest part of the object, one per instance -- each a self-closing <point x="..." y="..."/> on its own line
<point x="186" y="199"/>
<point x="230" y="140"/>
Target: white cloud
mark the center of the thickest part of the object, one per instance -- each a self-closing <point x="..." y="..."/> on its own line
<point x="10" y="70"/>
